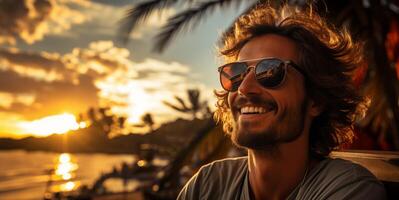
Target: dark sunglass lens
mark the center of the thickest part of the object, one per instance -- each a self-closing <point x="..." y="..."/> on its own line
<point x="230" y="76"/>
<point x="270" y="73"/>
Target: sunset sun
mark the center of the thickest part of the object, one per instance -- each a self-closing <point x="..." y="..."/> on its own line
<point x="54" y="124"/>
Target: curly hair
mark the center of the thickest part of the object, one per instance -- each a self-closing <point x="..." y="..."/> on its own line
<point x="327" y="55"/>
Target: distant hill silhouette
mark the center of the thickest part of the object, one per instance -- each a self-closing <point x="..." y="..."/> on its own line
<point x="167" y="140"/>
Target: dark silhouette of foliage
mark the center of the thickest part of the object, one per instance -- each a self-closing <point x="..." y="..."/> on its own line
<point x="107" y="120"/>
<point x="194" y="105"/>
<point x="102" y="118"/>
<point x="121" y="121"/>
<point x="91" y="114"/>
<point x="187" y="19"/>
<point x="148" y="121"/>
<point x="139" y="14"/>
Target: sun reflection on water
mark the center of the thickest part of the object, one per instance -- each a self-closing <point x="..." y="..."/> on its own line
<point x="65" y="171"/>
<point x="65" y="167"/>
<point x="69" y="186"/>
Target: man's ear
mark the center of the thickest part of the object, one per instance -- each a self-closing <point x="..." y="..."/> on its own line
<point x="315" y="109"/>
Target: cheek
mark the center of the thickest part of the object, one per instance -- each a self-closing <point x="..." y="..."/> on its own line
<point x="230" y="98"/>
<point x="289" y="97"/>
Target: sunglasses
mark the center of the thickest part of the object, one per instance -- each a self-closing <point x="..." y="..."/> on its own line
<point x="269" y="72"/>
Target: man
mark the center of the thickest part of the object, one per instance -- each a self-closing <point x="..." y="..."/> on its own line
<point x="287" y="99"/>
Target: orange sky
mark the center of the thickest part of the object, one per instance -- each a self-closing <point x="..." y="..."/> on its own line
<point x="59" y="57"/>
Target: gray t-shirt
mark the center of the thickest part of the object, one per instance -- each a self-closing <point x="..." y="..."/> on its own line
<point x="330" y="179"/>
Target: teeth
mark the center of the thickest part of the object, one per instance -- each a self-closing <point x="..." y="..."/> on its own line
<point x="252" y="109"/>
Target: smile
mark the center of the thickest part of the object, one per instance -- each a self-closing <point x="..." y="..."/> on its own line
<point x="255" y="109"/>
<point x="252" y="110"/>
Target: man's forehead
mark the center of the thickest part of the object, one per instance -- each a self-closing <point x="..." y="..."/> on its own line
<point x="270" y="45"/>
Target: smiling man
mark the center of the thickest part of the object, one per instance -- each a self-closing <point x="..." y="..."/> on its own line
<point x="289" y="100"/>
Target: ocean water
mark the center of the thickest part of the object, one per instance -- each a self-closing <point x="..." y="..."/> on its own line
<point x="29" y="175"/>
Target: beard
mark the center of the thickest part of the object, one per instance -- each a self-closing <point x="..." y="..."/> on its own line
<point x="286" y="128"/>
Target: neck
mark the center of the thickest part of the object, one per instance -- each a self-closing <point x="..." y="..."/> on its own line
<point x="274" y="173"/>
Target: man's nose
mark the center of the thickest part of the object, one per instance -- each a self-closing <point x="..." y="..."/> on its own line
<point x="249" y="84"/>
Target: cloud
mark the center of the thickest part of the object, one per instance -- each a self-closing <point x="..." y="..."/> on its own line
<point x="8" y="99"/>
<point x="106" y="18"/>
<point x="57" y="87"/>
<point x="152" y="65"/>
<point x="31" y="20"/>
<point x="140" y="94"/>
<point x="99" y="59"/>
<point x="134" y="88"/>
<point x="99" y="75"/>
<point x="49" y="98"/>
<point x="43" y="66"/>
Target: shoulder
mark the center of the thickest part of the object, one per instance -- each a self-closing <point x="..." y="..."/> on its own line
<point x="215" y="179"/>
<point x="342" y="179"/>
<point x="224" y="166"/>
<point x="222" y="170"/>
<point x="347" y="170"/>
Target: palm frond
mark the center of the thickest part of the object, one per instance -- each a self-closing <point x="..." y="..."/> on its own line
<point x="139" y="14"/>
<point x="180" y="21"/>
<point x="182" y="103"/>
<point x="193" y="97"/>
<point x="180" y="109"/>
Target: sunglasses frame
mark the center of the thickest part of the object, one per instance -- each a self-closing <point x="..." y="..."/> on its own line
<point x="284" y="62"/>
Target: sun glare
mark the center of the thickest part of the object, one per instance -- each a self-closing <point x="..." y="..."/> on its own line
<point x="69" y="186"/>
<point x="58" y="124"/>
<point x="65" y="173"/>
<point x="65" y="167"/>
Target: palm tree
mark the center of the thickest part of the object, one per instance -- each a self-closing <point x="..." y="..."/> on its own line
<point x="107" y="120"/>
<point x="121" y="122"/>
<point x="92" y="115"/>
<point x="102" y="118"/>
<point x="373" y="20"/>
<point x="187" y="19"/>
<point x="148" y="121"/>
<point x="194" y="105"/>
